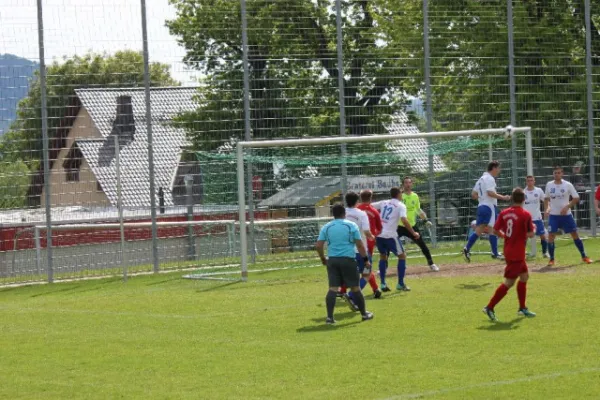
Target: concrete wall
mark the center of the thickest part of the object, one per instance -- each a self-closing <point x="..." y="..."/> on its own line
<point x="90" y="260"/>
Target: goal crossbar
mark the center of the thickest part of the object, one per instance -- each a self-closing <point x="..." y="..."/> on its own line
<point x="374" y="138"/>
<point x="241" y="145"/>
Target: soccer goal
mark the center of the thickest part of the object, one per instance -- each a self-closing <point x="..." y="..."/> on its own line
<point x="294" y="179"/>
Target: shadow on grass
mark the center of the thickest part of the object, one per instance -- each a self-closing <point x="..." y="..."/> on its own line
<point x="164" y="281"/>
<point x="548" y="269"/>
<point x="340" y="316"/>
<point x="57" y="291"/>
<point x="323" y="327"/>
<point x="218" y="287"/>
<point x="473" y="286"/>
<point x="386" y="296"/>
<point x="501" y="326"/>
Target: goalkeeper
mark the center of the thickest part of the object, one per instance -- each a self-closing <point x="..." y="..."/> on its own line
<point x="413" y="208"/>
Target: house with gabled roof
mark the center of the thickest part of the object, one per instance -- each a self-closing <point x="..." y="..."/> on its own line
<point x="84" y="160"/>
<point x="83" y="154"/>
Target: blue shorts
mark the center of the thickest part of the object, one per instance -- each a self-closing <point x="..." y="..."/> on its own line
<point x="540" y="229"/>
<point x="486" y="215"/>
<point x="389" y="245"/>
<point x="566" y="223"/>
<point x="360" y="263"/>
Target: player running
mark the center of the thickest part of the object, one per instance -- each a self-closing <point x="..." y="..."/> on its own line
<point x="514" y="225"/>
<point x="413" y="208"/>
<point x="533" y="197"/>
<point x="361" y="220"/>
<point x="558" y="209"/>
<point x="366" y="196"/>
<point x="485" y="192"/>
<point x="392" y="211"/>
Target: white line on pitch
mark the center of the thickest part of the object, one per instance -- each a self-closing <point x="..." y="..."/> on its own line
<point x="493" y="383"/>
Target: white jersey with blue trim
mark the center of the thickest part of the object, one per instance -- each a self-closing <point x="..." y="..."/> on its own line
<point x="533" y="198"/>
<point x="558" y="194"/>
<point x="361" y="219"/>
<point x="391" y="211"/>
<point x="486" y="184"/>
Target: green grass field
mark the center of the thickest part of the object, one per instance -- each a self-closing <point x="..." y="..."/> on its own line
<point x="163" y="337"/>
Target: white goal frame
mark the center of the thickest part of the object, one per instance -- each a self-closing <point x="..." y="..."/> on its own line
<point x="351" y="139"/>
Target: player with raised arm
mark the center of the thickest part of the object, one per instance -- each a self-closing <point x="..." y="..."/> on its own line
<point x="366" y="196"/>
<point x="561" y="196"/>
<point x="413" y="209"/>
<point x="487" y="211"/>
<point x="534" y="197"/>
<point x="514" y="225"/>
<point x="361" y="220"/>
<point x="392" y="211"/>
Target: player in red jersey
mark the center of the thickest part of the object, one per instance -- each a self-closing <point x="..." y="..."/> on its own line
<point x="375" y="224"/>
<point x="514" y="225"/>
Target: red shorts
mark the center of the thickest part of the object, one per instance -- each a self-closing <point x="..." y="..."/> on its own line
<point x="514" y="268"/>
<point x="370" y="246"/>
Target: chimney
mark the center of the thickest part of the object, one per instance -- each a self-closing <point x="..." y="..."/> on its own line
<point x="124" y="124"/>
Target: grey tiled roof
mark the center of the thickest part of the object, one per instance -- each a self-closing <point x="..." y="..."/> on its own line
<point x="414" y="150"/>
<point x="166" y="102"/>
<point x="168" y="141"/>
<point x="306" y="192"/>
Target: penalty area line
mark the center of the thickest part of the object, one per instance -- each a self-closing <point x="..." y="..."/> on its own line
<point x="493" y="383"/>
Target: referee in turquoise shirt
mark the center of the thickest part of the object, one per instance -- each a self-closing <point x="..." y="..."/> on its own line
<point x="343" y="240"/>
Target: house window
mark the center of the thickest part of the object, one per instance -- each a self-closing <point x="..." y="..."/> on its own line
<point x="98" y="187"/>
<point x="72" y="164"/>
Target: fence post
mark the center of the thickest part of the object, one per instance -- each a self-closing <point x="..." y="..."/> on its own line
<point x="247" y="127"/>
<point x="38" y="249"/>
<point x="155" y="255"/>
<point x="189" y="199"/>
<point x="45" y="141"/>
<point x="341" y="88"/>
<point x="429" y="122"/>
<point x="512" y="89"/>
<point x="590" y="113"/>
<point x="120" y="205"/>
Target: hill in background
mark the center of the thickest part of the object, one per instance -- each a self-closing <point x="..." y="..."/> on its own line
<point x="15" y="73"/>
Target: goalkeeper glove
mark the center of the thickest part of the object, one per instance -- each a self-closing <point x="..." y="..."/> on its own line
<point x="428" y="223"/>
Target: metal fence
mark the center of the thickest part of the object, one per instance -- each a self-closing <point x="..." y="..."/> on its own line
<point x="116" y="112"/>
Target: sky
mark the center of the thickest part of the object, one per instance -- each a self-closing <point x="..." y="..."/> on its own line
<point x="78" y="26"/>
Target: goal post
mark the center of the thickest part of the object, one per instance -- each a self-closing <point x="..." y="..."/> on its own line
<point x="524" y="133"/>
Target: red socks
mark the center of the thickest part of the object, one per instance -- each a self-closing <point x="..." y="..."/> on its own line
<point x="522" y="293"/>
<point x="499" y="295"/>
<point x="373" y="282"/>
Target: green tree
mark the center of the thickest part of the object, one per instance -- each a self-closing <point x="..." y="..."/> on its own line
<point x="14" y="182"/>
<point x="123" y="69"/>
<point x="292" y="66"/>
<point x="469" y="63"/>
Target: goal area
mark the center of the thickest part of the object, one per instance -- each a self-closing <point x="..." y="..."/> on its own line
<point x="285" y="188"/>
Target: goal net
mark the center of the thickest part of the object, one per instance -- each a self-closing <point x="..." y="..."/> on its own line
<point x="285" y="188"/>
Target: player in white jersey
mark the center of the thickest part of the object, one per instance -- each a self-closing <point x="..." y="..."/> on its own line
<point x="534" y="196"/>
<point x="487" y="210"/>
<point x="561" y="196"/>
<point x="392" y="211"/>
<point x="361" y="219"/>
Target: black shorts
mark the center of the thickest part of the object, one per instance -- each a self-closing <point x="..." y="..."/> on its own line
<point x="402" y="231"/>
<point x="342" y="271"/>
